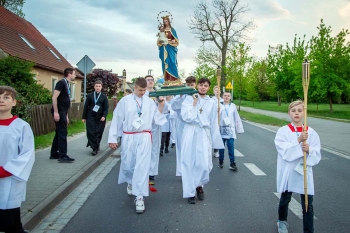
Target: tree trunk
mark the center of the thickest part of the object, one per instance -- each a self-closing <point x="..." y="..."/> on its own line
<point x="223" y="64"/>
<point x="330" y="105"/>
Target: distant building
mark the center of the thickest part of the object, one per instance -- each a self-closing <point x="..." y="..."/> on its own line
<point x="19" y="38"/>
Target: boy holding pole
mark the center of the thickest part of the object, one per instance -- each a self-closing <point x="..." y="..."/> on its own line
<point x="291" y="142"/>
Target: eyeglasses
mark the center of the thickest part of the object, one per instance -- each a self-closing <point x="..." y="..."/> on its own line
<point x="149" y="80"/>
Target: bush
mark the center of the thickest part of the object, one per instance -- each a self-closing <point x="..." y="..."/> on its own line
<point x="16" y="73"/>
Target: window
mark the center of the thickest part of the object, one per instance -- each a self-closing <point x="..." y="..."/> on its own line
<point x="72" y="91"/>
<point x="58" y="58"/>
<point x="54" y="81"/>
<point x="27" y="42"/>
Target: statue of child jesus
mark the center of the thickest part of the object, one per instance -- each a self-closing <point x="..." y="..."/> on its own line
<point x="161" y="35"/>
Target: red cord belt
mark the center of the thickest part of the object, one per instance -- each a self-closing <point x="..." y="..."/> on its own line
<point x="143" y="131"/>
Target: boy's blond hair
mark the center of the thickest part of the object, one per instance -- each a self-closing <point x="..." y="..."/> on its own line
<point x="295" y="103"/>
<point x="8" y="90"/>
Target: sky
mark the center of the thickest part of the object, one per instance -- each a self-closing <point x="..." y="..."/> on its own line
<point x="121" y="34"/>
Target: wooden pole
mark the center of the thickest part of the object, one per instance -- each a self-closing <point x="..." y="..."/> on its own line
<point x="306" y="80"/>
<point x="218" y="77"/>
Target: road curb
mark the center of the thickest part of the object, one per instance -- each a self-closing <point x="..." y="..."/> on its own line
<point x="38" y="213"/>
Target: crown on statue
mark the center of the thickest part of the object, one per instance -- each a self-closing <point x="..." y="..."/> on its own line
<point x="165" y="15"/>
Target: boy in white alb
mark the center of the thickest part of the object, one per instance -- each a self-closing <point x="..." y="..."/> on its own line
<point x="216" y="98"/>
<point x="200" y="135"/>
<point x="176" y="105"/>
<point x="133" y="118"/>
<point x="17" y="155"/>
<point x="230" y="123"/>
<point x="156" y="134"/>
<point x="291" y="143"/>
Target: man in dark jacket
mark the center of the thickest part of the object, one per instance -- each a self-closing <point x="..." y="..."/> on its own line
<point x="94" y="115"/>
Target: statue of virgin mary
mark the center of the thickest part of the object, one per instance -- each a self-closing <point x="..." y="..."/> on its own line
<point x="168" y="51"/>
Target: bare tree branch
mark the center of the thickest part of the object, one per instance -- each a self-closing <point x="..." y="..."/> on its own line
<point x="222" y="25"/>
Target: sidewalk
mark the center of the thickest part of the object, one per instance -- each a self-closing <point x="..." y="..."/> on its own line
<point x="334" y="135"/>
<point x="50" y="181"/>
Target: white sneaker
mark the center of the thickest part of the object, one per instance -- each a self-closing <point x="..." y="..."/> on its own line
<point x="282" y="226"/>
<point x="216" y="154"/>
<point x="129" y="189"/>
<point x="140" y="205"/>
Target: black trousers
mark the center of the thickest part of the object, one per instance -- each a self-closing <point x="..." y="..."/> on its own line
<point x="10" y="221"/>
<point x="59" y="144"/>
<point x="165" y="140"/>
<point x="308" y="217"/>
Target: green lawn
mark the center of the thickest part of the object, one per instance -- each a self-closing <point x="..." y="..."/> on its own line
<point x="340" y="111"/>
<point x="262" y="119"/>
<point x="74" y="127"/>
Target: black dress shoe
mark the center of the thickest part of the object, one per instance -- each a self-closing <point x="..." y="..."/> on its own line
<point x="172" y="145"/>
<point x="191" y="200"/>
<point x="161" y="153"/>
<point x="65" y="159"/>
<point x="200" y="193"/>
<point x="166" y="150"/>
<point x="54" y="157"/>
<point x="94" y="152"/>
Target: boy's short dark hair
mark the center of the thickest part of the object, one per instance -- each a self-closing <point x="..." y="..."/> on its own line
<point x="98" y="82"/>
<point x="190" y="79"/>
<point x="141" y="82"/>
<point x="204" y="80"/>
<point x="149" y="76"/>
<point x="128" y="91"/>
<point x="8" y="90"/>
<point x="67" y="71"/>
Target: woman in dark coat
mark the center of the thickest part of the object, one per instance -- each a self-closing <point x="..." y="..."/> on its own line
<point x="94" y="115"/>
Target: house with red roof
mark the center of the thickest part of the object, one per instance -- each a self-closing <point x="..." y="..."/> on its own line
<point x="19" y="38"/>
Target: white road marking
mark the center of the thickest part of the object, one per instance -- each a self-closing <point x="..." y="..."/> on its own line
<point x="253" y="168"/>
<point x="238" y="154"/>
<point x="294" y="206"/>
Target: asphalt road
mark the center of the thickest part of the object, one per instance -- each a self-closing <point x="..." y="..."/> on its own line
<point x="235" y="201"/>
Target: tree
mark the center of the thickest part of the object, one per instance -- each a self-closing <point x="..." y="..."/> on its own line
<point x="14" y="6"/>
<point x="16" y="73"/>
<point x="284" y="69"/>
<point x="257" y="81"/>
<point x="222" y="27"/>
<point x="330" y="64"/>
<point x="238" y="64"/>
<point x="205" y="71"/>
<point x="110" y="82"/>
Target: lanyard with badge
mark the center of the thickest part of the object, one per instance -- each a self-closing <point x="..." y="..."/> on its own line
<point x="227" y="119"/>
<point x="299" y="168"/>
<point x="68" y="87"/>
<point x="138" y="122"/>
<point x="96" y="107"/>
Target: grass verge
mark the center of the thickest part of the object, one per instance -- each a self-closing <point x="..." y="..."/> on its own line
<point x="340" y="111"/>
<point x="262" y="119"/>
<point x="75" y="127"/>
<point x="43" y="141"/>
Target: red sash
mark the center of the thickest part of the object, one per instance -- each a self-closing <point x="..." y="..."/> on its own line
<point x="143" y="131"/>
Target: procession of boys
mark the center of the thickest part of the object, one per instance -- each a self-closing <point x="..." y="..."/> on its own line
<point x="197" y="126"/>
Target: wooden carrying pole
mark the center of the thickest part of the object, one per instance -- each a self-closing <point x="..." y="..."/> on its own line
<point x="306" y="80"/>
<point x="218" y="76"/>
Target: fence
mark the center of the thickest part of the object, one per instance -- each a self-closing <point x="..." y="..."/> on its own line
<point x="42" y="120"/>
